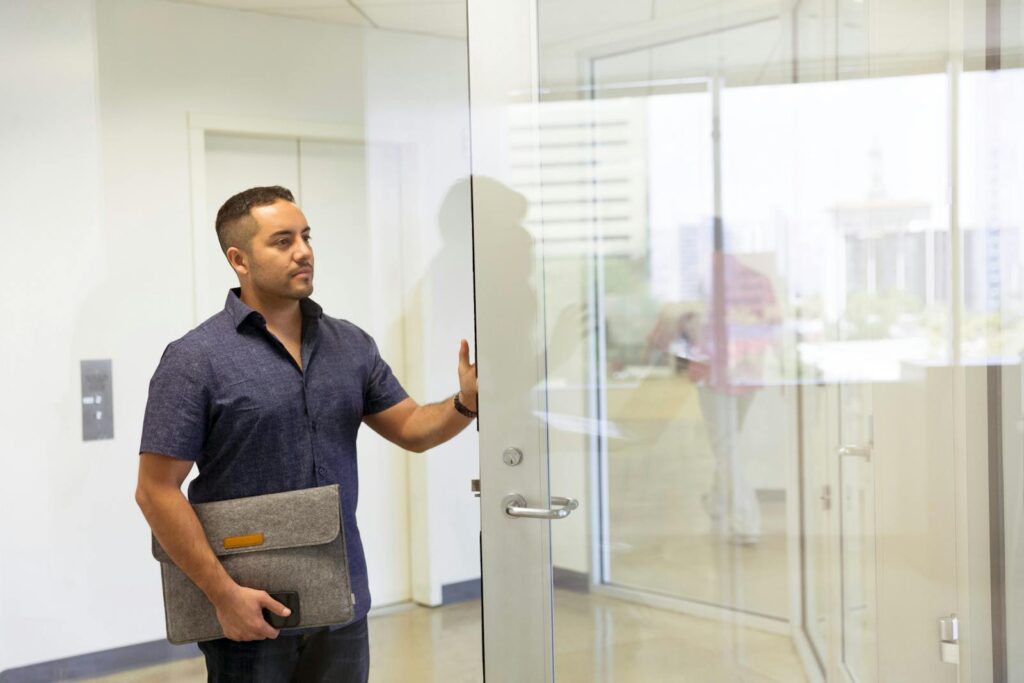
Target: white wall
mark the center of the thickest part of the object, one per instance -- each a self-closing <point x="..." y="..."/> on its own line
<point x="94" y="171"/>
<point x="417" y="107"/>
<point x="61" y="542"/>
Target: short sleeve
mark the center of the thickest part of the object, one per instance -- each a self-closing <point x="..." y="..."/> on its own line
<point x="382" y="389"/>
<point x="176" y="412"/>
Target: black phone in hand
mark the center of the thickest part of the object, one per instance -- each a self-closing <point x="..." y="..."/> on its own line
<point x="289" y="599"/>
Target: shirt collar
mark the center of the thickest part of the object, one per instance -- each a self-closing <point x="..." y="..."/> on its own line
<point x="240" y="312"/>
<point x="310" y="309"/>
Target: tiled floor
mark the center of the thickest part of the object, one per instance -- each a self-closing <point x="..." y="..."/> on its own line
<point x="662" y="537"/>
<point x="597" y="639"/>
<point x="609" y="640"/>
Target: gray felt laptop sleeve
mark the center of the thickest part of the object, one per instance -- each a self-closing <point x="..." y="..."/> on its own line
<point x="279" y="542"/>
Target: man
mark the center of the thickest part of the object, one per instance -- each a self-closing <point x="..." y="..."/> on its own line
<point x="267" y="396"/>
<point x="725" y="359"/>
<point x="743" y="328"/>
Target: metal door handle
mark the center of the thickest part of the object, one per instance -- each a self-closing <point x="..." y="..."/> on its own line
<point x="856" y="452"/>
<point x="515" y="506"/>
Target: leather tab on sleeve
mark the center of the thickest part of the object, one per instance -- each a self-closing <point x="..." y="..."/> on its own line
<point x="249" y="541"/>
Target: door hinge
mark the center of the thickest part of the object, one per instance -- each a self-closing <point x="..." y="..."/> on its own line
<point x="949" y="639"/>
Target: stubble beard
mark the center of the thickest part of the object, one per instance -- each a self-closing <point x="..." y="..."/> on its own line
<point x="286" y="287"/>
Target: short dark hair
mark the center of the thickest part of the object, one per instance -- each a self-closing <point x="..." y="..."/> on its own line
<point x="235" y="224"/>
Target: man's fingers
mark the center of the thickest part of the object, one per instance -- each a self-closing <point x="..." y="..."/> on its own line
<point x="265" y="629"/>
<point x="464" y="355"/>
<point x="274" y="606"/>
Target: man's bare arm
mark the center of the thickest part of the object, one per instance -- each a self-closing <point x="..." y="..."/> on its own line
<point x="419" y="428"/>
<point x="179" y="532"/>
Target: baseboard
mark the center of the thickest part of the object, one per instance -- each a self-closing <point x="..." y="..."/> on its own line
<point x="460" y="591"/>
<point x="102" y="663"/>
<point x="771" y="495"/>
<point x="570" y="580"/>
<point x="704" y="610"/>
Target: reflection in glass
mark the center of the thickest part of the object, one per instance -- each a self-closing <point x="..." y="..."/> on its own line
<point x="754" y="212"/>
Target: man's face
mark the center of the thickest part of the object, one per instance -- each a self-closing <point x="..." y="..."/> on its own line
<point x="280" y="257"/>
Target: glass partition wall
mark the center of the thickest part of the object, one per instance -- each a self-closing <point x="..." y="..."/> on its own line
<point x="776" y="255"/>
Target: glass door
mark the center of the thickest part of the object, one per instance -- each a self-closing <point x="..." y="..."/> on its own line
<point x="719" y="332"/>
<point x="515" y="552"/>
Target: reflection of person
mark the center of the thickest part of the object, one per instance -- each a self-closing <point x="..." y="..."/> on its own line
<point x="550" y="335"/>
<point x="268" y="396"/>
<point x="725" y="359"/>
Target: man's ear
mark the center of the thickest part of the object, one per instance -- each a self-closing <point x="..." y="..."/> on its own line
<point x="238" y="260"/>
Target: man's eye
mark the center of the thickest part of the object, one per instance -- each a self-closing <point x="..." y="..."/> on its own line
<point x="282" y="242"/>
<point x="308" y="238"/>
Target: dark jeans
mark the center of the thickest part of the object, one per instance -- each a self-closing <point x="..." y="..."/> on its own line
<point x="341" y="656"/>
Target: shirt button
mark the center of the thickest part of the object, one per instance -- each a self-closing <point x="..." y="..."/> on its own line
<point x="321" y="470"/>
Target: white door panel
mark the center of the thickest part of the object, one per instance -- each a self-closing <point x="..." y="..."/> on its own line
<point x="235" y="163"/>
<point x="334" y="201"/>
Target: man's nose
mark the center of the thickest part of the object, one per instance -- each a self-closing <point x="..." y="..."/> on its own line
<point x="304" y="251"/>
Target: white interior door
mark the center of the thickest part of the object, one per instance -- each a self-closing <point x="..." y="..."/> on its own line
<point x="235" y="163"/>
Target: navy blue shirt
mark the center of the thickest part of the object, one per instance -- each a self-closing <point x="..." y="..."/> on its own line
<point x="229" y="396"/>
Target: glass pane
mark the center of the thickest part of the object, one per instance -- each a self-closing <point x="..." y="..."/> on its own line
<point x="769" y="246"/>
<point x="750" y="269"/>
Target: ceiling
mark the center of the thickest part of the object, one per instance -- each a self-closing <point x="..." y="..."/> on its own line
<point x="432" y="17"/>
<point x="566" y="24"/>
